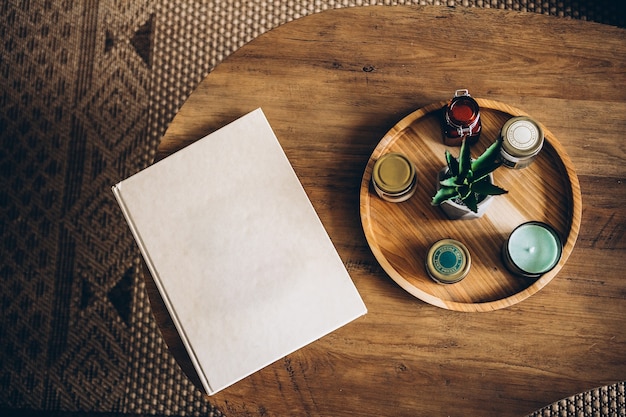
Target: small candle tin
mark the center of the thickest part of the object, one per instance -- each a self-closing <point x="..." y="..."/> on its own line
<point x="461" y="119"/>
<point x="532" y="249"/>
<point x="448" y="261"/>
<point x="394" y="177"/>
<point x="522" y="140"/>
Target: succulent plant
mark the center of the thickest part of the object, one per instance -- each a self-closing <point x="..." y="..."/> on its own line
<point x="468" y="179"/>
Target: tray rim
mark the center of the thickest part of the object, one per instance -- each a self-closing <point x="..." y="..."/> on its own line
<point x="568" y="244"/>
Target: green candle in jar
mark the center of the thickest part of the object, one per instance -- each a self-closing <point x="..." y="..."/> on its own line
<point x="532" y="249"/>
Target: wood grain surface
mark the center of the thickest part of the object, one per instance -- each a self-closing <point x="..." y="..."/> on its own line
<point x="332" y="85"/>
<point x="401" y="234"/>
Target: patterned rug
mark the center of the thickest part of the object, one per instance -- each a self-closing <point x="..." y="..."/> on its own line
<point x="598" y="402"/>
<point x="87" y="88"/>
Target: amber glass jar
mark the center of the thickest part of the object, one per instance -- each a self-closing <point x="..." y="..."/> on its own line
<point x="461" y="119"/>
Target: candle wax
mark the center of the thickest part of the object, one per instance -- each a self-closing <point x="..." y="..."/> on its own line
<point x="533" y="248"/>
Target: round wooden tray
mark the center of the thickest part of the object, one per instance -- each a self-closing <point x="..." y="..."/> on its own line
<point x="400" y="234"/>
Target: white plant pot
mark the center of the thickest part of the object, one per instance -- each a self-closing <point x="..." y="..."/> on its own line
<point x="459" y="211"/>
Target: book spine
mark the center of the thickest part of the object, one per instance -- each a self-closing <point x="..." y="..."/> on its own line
<point x="117" y="192"/>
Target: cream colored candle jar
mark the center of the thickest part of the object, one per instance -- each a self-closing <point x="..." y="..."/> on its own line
<point x="522" y="140"/>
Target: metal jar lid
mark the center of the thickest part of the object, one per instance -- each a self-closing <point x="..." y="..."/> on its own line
<point x="521" y="136"/>
<point x="463" y="112"/>
<point x="393" y="174"/>
<point x="448" y="261"/>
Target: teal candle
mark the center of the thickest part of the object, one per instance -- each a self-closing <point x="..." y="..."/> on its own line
<point x="532" y="249"/>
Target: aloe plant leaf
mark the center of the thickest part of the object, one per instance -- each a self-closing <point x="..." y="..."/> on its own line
<point x="449" y="182"/>
<point x="443" y="194"/>
<point x="486" y="187"/>
<point x="465" y="160"/>
<point x="471" y="202"/>
<point x="485" y="170"/>
<point x="453" y="164"/>
<point x="488" y="158"/>
<point x="464" y="191"/>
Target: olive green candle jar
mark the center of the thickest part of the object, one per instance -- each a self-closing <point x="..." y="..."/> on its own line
<point x="394" y="177"/>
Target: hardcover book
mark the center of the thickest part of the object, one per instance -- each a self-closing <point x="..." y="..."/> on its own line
<point x="243" y="263"/>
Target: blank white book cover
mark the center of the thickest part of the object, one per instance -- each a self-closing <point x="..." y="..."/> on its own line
<point x="244" y="265"/>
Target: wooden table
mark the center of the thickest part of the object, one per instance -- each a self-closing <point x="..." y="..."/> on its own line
<point x="332" y="85"/>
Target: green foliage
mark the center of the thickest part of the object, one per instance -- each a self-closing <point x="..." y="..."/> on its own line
<point x="469" y="179"/>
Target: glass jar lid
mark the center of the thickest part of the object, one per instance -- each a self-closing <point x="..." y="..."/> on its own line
<point x="448" y="261"/>
<point x="521" y="136"/>
<point x="393" y="173"/>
